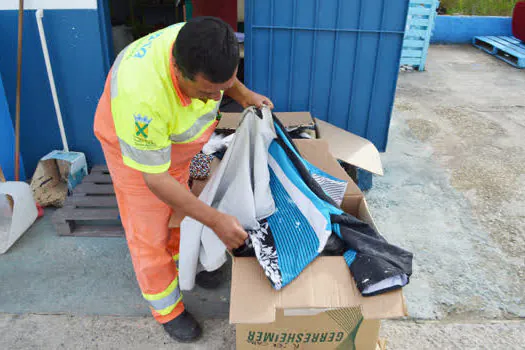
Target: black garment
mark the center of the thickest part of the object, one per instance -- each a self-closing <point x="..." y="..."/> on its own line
<point x="376" y="259"/>
<point x="335" y="246"/>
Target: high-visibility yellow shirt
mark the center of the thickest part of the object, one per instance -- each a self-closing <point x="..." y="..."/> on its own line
<point x="149" y="110"/>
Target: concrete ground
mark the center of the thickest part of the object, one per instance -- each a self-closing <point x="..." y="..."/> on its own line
<point x="109" y="332"/>
<point x="452" y="193"/>
<point x="454" y="186"/>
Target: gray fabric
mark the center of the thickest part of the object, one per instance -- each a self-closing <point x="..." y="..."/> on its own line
<point x="334" y="188"/>
<point x="114" y="73"/>
<point x="239" y="187"/>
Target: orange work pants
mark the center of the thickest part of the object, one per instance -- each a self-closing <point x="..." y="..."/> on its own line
<point x="153" y="247"/>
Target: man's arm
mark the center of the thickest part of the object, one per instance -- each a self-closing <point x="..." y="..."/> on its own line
<point x="246" y="97"/>
<point x="167" y="189"/>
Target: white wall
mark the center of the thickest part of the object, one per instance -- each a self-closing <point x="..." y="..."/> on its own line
<point x="49" y="4"/>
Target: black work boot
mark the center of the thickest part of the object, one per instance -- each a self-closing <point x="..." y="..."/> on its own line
<point x="209" y="280"/>
<point x="184" y="328"/>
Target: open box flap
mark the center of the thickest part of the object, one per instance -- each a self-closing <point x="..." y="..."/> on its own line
<point x="230" y="121"/>
<point x="317" y="153"/>
<point x="325" y="283"/>
<point x="344" y="145"/>
<point x="350" y="148"/>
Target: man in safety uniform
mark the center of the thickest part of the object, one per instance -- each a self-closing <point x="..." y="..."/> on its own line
<point x="158" y="109"/>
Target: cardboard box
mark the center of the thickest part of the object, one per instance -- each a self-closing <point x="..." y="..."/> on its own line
<point x="322" y="308"/>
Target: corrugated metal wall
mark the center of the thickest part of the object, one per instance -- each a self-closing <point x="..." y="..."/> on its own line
<point x="79" y="56"/>
<point x="7" y="135"/>
<point x="338" y="59"/>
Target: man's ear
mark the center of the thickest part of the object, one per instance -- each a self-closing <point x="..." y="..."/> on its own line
<point x="178" y="73"/>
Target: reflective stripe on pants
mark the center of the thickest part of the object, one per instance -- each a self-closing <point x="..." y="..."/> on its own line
<point x="165" y="302"/>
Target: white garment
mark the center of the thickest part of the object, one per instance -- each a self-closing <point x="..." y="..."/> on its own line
<point x="217" y="142"/>
<point x="239" y="187"/>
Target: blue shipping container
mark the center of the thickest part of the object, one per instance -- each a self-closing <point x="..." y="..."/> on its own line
<point x="338" y="59"/>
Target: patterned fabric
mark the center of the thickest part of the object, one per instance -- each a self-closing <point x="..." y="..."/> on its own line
<point x="307" y="215"/>
<point x="200" y="166"/>
<point x="300" y="226"/>
<point x="264" y="247"/>
<point x="333" y="187"/>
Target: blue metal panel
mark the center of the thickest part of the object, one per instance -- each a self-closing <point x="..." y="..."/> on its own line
<point x="7" y="137"/>
<point x="338" y="59"/>
<point x="106" y="33"/>
<point x="79" y="67"/>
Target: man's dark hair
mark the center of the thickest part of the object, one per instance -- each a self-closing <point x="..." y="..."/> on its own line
<point x="207" y="45"/>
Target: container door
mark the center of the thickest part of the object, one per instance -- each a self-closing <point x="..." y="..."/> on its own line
<point x="7" y="137"/>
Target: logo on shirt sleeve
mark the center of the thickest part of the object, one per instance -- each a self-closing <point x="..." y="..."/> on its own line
<point x="142" y="126"/>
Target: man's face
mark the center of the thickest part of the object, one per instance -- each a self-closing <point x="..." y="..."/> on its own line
<point x="202" y="88"/>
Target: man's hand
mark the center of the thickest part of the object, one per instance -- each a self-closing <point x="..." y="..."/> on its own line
<point x="257" y="100"/>
<point x="167" y="189"/>
<point x="229" y="230"/>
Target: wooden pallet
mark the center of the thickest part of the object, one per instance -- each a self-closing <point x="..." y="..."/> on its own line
<point x="506" y="48"/>
<point x="92" y="208"/>
<point x="420" y="24"/>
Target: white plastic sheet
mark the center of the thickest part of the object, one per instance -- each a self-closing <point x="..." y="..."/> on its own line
<point x="13" y="223"/>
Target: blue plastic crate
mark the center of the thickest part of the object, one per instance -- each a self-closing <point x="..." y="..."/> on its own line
<point x="420" y="24"/>
<point x="338" y="59"/>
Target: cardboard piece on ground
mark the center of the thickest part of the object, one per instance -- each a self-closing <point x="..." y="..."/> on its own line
<point x="230" y="121"/>
<point x="56" y="174"/>
<point x="47" y="186"/>
<point x="350" y="148"/>
<point x="72" y="166"/>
